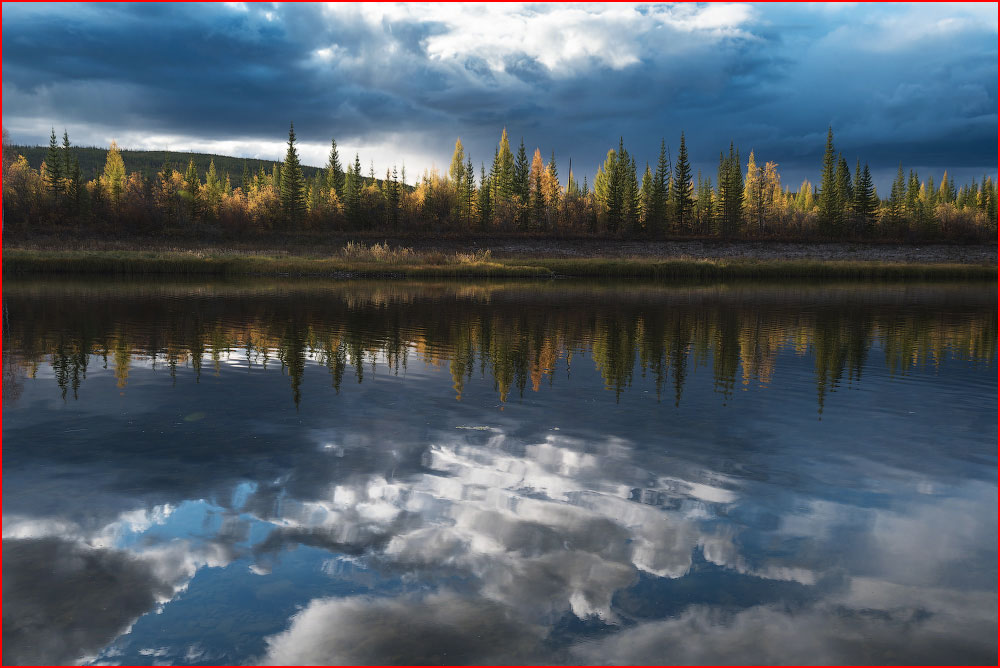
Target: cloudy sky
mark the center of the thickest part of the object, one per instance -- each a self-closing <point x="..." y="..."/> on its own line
<point x="910" y="83"/>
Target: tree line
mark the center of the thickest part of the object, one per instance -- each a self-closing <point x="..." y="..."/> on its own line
<point x="514" y="195"/>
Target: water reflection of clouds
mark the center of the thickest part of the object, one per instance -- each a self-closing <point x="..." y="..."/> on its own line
<point x="517" y="528"/>
<point x="64" y="600"/>
<point x="550" y="532"/>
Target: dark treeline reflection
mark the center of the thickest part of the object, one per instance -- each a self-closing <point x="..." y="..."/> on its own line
<point x="519" y="335"/>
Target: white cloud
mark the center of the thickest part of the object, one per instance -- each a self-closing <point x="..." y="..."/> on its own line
<point x="565" y="39"/>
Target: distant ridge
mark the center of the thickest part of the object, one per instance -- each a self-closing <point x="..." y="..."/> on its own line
<point x="148" y="163"/>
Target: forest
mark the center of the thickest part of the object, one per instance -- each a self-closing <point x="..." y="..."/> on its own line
<point x="514" y="195"/>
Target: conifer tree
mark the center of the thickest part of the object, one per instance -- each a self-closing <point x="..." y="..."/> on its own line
<point x="292" y="189"/>
<point x="245" y="178"/>
<point x="503" y="172"/>
<point x="456" y="171"/>
<point x="167" y="193"/>
<point x="729" y="204"/>
<point x="192" y="183"/>
<point x="829" y="205"/>
<point x="483" y="202"/>
<point x="67" y="157"/>
<point x="334" y="171"/>
<point x="913" y="208"/>
<point x="844" y="190"/>
<point x="682" y="190"/>
<point x="75" y="186"/>
<point x="114" y="175"/>
<point x="522" y="184"/>
<point x="352" y="193"/>
<point x="865" y="202"/>
<point x="393" y="199"/>
<point x="894" y="208"/>
<point x="657" y="218"/>
<point x="646" y="197"/>
<point x="469" y="191"/>
<point x="613" y="186"/>
<point x="538" y="202"/>
<point x="54" y="167"/>
<point x="704" y="204"/>
<point x="552" y="167"/>
<point x="630" y="213"/>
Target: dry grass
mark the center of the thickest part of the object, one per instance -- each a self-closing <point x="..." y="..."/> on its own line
<point x="381" y="253"/>
<point x="381" y="260"/>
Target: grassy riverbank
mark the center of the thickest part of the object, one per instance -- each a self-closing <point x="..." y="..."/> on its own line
<point x="378" y="261"/>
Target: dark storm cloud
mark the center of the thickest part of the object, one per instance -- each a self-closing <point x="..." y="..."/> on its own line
<point x="916" y="84"/>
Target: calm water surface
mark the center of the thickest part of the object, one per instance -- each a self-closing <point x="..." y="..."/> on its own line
<point x="498" y="472"/>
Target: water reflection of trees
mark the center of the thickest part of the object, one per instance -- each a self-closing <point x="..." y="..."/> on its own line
<point x="517" y="336"/>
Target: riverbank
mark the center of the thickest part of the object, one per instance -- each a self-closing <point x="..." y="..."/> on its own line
<point x="386" y="261"/>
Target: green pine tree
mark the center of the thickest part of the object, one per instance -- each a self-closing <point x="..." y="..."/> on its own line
<point x="469" y="192"/>
<point x="334" y="171"/>
<point x="729" y="204"/>
<point x="53" y="167"/>
<point x="865" y="202"/>
<point x="67" y="157"/>
<point x="656" y="221"/>
<point x="829" y="205"/>
<point x="538" y="203"/>
<point x="681" y="190"/>
<point x="522" y="184"/>
<point x="844" y="190"/>
<point x="483" y="202"/>
<point x="292" y="189"/>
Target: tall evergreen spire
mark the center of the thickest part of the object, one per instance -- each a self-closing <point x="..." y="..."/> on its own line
<point x="292" y="189"/>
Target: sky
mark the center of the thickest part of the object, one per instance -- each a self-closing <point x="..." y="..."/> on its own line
<point x="397" y="84"/>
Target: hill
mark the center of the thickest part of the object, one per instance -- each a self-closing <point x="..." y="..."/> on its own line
<point x="149" y="163"/>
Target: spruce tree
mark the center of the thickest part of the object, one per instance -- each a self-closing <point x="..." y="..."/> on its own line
<point x="395" y="192"/>
<point x="913" y="208"/>
<point x="897" y="194"/>
<point x="631" y="198"/>
<point x="75" y="186"/>
<point x="683" y="201"/>
<point x="192" y="183"/>
<point x="829" y="205"/>
<point x="67" y="157"/>
<point x="503" y="173"/>
<point x="845" y="192"/>
<point x="538" y="202"/>
<point x="334" y="171"/>
<point x="53" y="167"/>
<point x="522" y="184"/>
<point x="469" y="191"/>
<point x="657" y="218"/>
<point x="614" y="186"/>
<point x="552" y="167"/>
<point x="730" y="193"/>
<point x="865" y="204"/>
<point x="292" y="189"/>
<point x="646" y="197"/>
<point x="352" y="193"/>
<point x="483" y="202"/>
